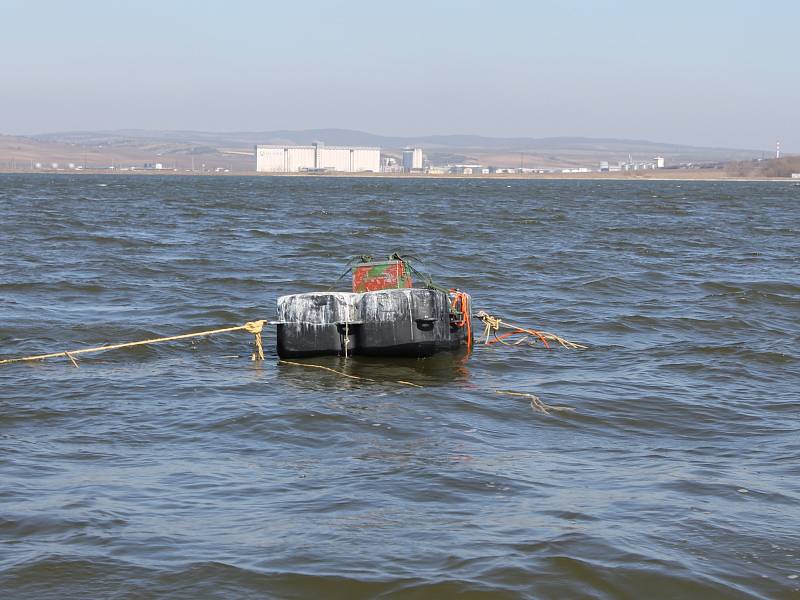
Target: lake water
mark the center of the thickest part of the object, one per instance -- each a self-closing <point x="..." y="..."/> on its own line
<point x="186" y="470"/>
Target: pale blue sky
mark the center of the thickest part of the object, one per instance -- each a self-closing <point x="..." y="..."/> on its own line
<point x="705" y="72"/>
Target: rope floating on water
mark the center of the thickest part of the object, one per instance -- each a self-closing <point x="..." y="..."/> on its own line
<point x="494" y="324"/>
<point x="536" y="402"/>
<point x="253" y="327"/>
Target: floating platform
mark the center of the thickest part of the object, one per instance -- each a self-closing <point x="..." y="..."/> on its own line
<point x="405" y="321"/>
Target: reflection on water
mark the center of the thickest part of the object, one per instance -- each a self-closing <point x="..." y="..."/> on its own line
<point x="443" y="368"/>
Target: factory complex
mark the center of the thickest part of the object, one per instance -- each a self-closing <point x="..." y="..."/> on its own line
<point x="319" y="158"/>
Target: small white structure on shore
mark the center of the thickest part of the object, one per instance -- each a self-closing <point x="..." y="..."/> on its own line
<point x="467" y="169"/>
<point x="659" y="162"/>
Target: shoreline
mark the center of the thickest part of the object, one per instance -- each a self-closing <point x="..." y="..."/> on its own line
<point x="677" y="175"/>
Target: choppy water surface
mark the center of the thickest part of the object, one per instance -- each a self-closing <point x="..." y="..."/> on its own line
<point x="186" y="470"/>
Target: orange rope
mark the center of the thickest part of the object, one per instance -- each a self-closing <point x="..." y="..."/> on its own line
<point x="460" y="303"/>
<point x="497" y="338"/>
<point x="493" y="325"/>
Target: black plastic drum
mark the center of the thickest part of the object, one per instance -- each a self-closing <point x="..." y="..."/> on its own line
<point x="412" y="322"/>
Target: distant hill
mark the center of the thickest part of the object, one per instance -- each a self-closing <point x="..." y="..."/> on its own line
<point x="234" y="149"/>
<point x="103" y="151"/>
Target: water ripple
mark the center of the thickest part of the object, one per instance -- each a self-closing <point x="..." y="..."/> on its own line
<point x="186" y="470"/>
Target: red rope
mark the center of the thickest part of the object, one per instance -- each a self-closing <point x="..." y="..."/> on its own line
<point x="497" y="338"/>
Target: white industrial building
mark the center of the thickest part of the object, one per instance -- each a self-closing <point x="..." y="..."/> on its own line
<point x="468" y="170"/>
<point x="412" y="159"/>
<point x="317" y="157"/>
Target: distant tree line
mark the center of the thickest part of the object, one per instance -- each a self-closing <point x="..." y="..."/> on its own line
<point x="773" y="167"/>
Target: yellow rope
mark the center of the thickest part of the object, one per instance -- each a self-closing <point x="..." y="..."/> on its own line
<point x="253" y="327"/>
<point x="536" y="402"/>
<point x="492" y="324"/>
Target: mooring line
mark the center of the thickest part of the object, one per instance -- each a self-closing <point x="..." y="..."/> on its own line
<point x="253" y="327"/>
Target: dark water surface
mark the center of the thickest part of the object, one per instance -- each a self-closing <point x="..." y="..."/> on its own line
<point x="185" y="470"/>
